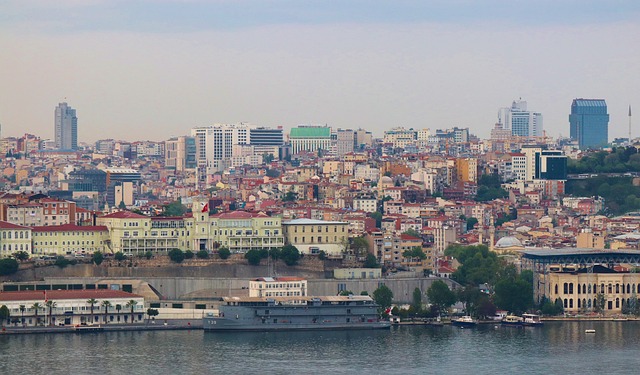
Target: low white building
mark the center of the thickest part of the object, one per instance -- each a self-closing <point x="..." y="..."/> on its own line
<point x="73" y="307"/>
<point x="278" y="287"/>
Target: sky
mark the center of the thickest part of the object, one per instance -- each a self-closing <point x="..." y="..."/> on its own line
<point x="153" y="69"/>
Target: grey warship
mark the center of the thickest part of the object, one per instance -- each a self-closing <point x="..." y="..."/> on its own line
<point x="295" y="313"/>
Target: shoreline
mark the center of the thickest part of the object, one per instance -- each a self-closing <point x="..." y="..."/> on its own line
<point x="170" y="326"/>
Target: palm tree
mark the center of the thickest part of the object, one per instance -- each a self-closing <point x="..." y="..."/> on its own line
<point x="106" y="305"/>
<point x="92" y="302"/>
<point x="37" y="306"/>
<point x="132" y="304"/>
<point x="22" y="309"/>
<point x="118" y="308"/>
<point x="51" y="305"/>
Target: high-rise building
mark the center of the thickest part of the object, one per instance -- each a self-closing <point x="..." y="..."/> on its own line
<point x="589" y="123"/>
<point x="180" y="153"/>
<point x="520" y="121"/>
<point x="345" y="141"/>
<point x="66" y="127"/>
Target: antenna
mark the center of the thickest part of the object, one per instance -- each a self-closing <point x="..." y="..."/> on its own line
<point x="629" y="124"/>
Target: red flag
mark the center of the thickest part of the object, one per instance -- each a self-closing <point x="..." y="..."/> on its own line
<point x="205" y="208"/>
<point x="45" y="296"/>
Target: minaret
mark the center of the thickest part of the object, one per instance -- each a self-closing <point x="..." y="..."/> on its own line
<point x="492" y="231"/>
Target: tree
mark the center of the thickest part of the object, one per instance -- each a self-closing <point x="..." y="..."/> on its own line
<point x="253" y="256"/>
<point x="188" y="254"/>
<point x="8" y="266"/>
<point x="122" y="205"/>
<point x="36" y="307"/>
<point x="51" y="305"/>
<point x="513" y="294"/>
<point x="267" y="158"/>
<point x="132" y="304"/>
<point x="176" y="255"/>
<point x="174" y="209"/>
<point x="224" y="252"/>
<point x="290" y="196"/>
<point x="440" y="296"/>
<point x="417" y="300"/>
<point x="120" y="256"/>
<point x="92" y="302"/>
<point x="5" y="314"/>
<point x="600" y="302"/>
<point x="148" y="254"/>
<point x="413" y="233"/>
<point x="383" y="297"/>
<point x="106" y="304"/>
<point x="290" y="255"/>
<point x="370" y="261"/>
<point x="415" y="252"/>
<point x="346" y="293"/>
<point x="97" y="258"/>
<point x="471" y="222"/>
<point x="377" y="216"/>
<point x="360" y="246"/>
<point x="478" y="264"/>
<point x="21" y="255"/>
<point x="202" y="254"/>
<point x="22" y="308"/>
<point x="485" y="308"/>
<point x="471" y="297"/>
<point x="322" y="255"/>
<point x="152" y="312"/>
<point x="61" y="261"/>
<point x="118" y="308"/>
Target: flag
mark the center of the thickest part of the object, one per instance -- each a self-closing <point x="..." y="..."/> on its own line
<point x="205" y="208"/>
<point x="45" y="296"/>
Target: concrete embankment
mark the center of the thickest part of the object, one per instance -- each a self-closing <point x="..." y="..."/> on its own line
<point x="181" y="324"/>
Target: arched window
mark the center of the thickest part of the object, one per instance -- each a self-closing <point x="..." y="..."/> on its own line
<point x="556" y="289"/>
<point x="602" y="288"/>
<point x="584" y="288"/>
<point x="584" y="303"/>
<point x="617" y="288"/>
<point x="579" y="289"/>
<point x="566" y="303"/>
<point x="571" y="303"/>
<point x="610" y="288"/>
<point x="570" y="288"/>
<point x="628" y="288"/>
<point x="617" y="303"/>
<point x="589" y="288"/>
<point x="589" y="303"/>
<point x="578" y="302"/>
<point x="565" y="288"/>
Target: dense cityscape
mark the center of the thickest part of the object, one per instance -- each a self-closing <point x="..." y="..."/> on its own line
<point x="308" y="187"/>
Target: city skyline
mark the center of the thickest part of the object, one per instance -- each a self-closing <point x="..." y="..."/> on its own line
<point x="172" y="65"/>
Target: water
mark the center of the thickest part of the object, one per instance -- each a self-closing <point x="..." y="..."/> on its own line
<point x="557" y="348"/>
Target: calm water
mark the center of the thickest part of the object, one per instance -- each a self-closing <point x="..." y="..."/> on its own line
<point x="558" y="348"/>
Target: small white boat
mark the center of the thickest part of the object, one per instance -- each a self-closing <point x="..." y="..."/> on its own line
<point x="465" y="321"/>
<point x="589" y="331"/>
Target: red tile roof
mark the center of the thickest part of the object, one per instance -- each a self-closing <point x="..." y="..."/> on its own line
<point x="124" y="215"/>
<point x="71" y="227"/>
<point x="34" y="295"/>
<point x="8" y="225"/>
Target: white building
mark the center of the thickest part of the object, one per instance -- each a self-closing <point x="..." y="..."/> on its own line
<point x="278" y="287"/>
<point x="520" y="121"/>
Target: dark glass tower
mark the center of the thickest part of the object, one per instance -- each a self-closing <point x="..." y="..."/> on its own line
<point x="589" y="123"/>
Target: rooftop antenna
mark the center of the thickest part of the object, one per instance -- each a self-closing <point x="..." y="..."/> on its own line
<point x="629" y="124"/>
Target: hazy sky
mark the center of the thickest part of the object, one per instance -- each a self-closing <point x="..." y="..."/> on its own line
<point x="153" y="69"/>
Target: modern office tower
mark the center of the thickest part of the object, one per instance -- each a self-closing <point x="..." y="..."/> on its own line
<point x="589" y="123"/>
<point x="180" y="153"/>
<point x="215" y="144"/>
<point x="309" y="138"/>
<point x="520" y="121"/>
<point x="66" y="127"/>
<point x="266" y="136"/>
<point x="551" y="165"/>
<point x="345" y="141"/>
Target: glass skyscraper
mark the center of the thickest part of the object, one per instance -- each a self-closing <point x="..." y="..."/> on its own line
<point x="66" y="127"/>
<point x="589" y="123"/>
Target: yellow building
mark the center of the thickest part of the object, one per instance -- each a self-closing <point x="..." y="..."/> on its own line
<point x="70" y="239"/>
<point x="14" y="238"/>
<point x="589" y="239"/>
<point x="312" y="236"/>
<point x="241" y="231"/>
<point x="467" y="169"/>
<point x="579" y="289"/>
<point x="131" y="233"/>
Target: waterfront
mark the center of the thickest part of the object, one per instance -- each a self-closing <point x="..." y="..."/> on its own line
<point x="561" y="347"/>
